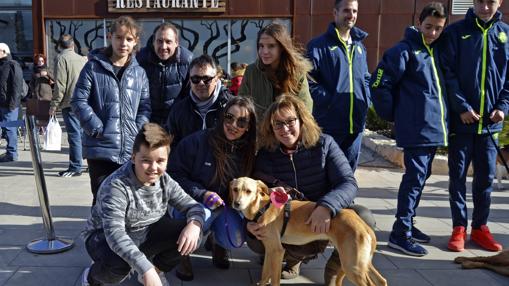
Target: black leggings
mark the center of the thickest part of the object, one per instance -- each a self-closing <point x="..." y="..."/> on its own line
<point x="160" y="246"/>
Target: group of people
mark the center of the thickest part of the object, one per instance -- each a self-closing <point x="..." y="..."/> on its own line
<point x="296" y="120"/>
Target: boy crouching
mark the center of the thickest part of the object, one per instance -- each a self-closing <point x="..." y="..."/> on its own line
<point x="129" y="226"/>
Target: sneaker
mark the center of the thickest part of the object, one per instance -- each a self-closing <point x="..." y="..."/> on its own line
<point x="67" y="173"/>
<point x="4" y="158"/>
<point x="406" y="244"/>
<point x="84" y="277"/>
<point x="482" y="237"/>
<point x="162" y="276"/>
<point x="420" y="236"/>
<point x="457" y="240"/>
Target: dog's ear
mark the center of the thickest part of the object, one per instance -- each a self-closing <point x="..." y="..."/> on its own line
<point x="262" y="188"/>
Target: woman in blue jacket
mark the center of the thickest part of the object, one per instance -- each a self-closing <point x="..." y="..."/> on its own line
<point x="205" y="162"/>
<point x="407" y="88"/>
<point x="294" y="151"/>
<point x="111" y="100"/>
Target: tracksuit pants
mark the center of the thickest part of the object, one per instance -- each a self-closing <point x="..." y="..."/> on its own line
<point x="418" y="163"/>
<point x="481" y="151"/>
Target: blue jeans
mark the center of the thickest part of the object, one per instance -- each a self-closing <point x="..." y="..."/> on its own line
<point x="418" y="162"/>
<point x="225" y="223"/>
<point x="11" y="133"/>
<point x="464" y="148"/>
<point x="350" y="144"/>
<point x="73" y="128"/>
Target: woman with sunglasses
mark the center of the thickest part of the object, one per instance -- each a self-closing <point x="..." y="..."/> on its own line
<point x="294" y="151"/>
<point x="204" y="163"/>
<point x="204" y="104"/>
<point x="279" y="69"/>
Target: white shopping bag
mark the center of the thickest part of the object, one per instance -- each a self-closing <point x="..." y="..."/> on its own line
<point x="53" y="137"/>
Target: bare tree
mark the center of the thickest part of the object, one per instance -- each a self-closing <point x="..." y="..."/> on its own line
<point x="73" y="28"/>
<point x="95" y="35"/>
<point x="234" y="41"/>
<point x="192" y="43"/>
<point x="214" y="33"/>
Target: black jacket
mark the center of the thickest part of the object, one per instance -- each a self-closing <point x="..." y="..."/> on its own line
<point x="166" y="78"/>
<point x="11" y="83"/>
<point x="185" y="118"/>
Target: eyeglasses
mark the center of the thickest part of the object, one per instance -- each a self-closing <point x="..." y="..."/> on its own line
<point x="278" y="125"/>
<point x="242" y="122"/>
<point x="196" y="79"/>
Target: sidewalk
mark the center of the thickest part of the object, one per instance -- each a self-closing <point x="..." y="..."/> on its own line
<point x="70" y="198"/>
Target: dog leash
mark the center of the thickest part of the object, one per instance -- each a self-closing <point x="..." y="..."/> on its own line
<point x="286" y="215"/>
<point x="499" y="152"/>
<point x="293" y="192"/>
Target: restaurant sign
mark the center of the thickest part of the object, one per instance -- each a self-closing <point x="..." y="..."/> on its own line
<point x="140" y="6"/>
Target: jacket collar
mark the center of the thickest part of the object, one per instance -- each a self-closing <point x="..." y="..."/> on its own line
<point x="100" y="56"/>
<point x="356" y="33"/>
<point x="471" y="17"/>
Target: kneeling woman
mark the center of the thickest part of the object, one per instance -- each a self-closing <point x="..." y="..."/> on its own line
<point x="295" y="153"/>
<point x="205" y="162"/>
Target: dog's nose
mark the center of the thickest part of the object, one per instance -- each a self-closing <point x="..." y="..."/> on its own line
<point x="236" y="205"/>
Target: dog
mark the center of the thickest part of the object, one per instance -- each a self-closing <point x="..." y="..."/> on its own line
<point x="498" y="263"/>
<point x="354" y="239"/>
<point x="501" y="171"/>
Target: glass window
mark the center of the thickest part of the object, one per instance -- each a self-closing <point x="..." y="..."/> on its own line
<point x="16" y="3"/>
<point x="16" y="31"/>
<point x="87" y="34"/>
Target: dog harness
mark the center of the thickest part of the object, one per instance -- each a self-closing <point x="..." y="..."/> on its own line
<point x="286" y="215"/>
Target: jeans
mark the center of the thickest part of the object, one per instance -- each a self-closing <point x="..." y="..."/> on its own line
<point x="350" y="144"/>
<point x="418" y="163"/>
<point x="11" y="133"/>
<point x="73" y="128"/>
<point x="464" y="148"/>
<point x="160" y="246"/>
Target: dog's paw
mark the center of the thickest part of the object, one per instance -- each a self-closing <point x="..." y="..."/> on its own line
<point x="471" y="264"/>
<point x="460" y="259"/>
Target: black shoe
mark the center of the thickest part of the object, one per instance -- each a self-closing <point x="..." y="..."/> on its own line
<point x="220" y="257"/>
<point x="7" y="158"/>
<point x="67" y="173"/>
<point x="184" y="270"/>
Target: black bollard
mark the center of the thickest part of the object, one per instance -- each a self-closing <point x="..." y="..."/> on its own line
<point x="51" y="244"/>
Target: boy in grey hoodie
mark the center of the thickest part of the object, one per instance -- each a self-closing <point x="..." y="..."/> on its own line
<point x="129" y="226"/>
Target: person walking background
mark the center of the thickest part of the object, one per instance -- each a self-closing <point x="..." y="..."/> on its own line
<point x="409" y="80"/>
<point x="166" y="64"/>
<point x="112" y="102"/>
<point x="68" y="66"/>
<point x="11" y="81"/>
<point x="339" y="80"/>
<point x="41" y="91"/>
<point x="475" y="62"/>
<point x="280" y="68"/>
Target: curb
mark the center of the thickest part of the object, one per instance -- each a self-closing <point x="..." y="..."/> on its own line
<point x="387" y="148"/>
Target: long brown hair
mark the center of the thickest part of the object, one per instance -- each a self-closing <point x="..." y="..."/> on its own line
<point x="131" y="25"/>
<point x="246" y="145"/>
<point x="309" y="130"/>
<point x="292" y="64"/>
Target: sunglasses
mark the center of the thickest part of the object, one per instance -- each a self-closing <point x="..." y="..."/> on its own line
<point x="242" y="122"/>
<point x="278" y="125"/>
<point x="195" y="79"/>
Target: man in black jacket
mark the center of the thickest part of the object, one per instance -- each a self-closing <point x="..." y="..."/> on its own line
<point x="201" y="108"/>
<point x="166" y="64"/>
<point x="11" y="81"/>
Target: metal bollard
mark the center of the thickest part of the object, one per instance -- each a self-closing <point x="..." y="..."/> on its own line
<point x="50" y="244"/>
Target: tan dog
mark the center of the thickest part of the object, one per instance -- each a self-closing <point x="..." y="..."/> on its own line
<point x="498" y="263"/>
<point x="354" y="239"/>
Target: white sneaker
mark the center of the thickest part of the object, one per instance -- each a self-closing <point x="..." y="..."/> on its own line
<point x="84" y="277"/>
<point x="162" y="276"/>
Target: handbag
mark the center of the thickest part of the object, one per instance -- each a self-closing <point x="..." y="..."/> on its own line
<point x="53" y="136"/>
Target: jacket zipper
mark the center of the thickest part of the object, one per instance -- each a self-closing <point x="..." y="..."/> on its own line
<point x="349" y="55"/>
<point x="483" y="73"/>
<point x="294" y="171"/>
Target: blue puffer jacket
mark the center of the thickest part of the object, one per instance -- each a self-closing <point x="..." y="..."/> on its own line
<point x="407" y="87"/>
<point x="166" y="78"/>
<point x="193" y="165"/>
<point x="321" y="173"/>
<point x="340" y="97"/>
<point x="111" y="110"/>
<point x="475" y="62"/>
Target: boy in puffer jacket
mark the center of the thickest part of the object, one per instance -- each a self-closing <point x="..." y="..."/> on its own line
<point x="407" y="88"/>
